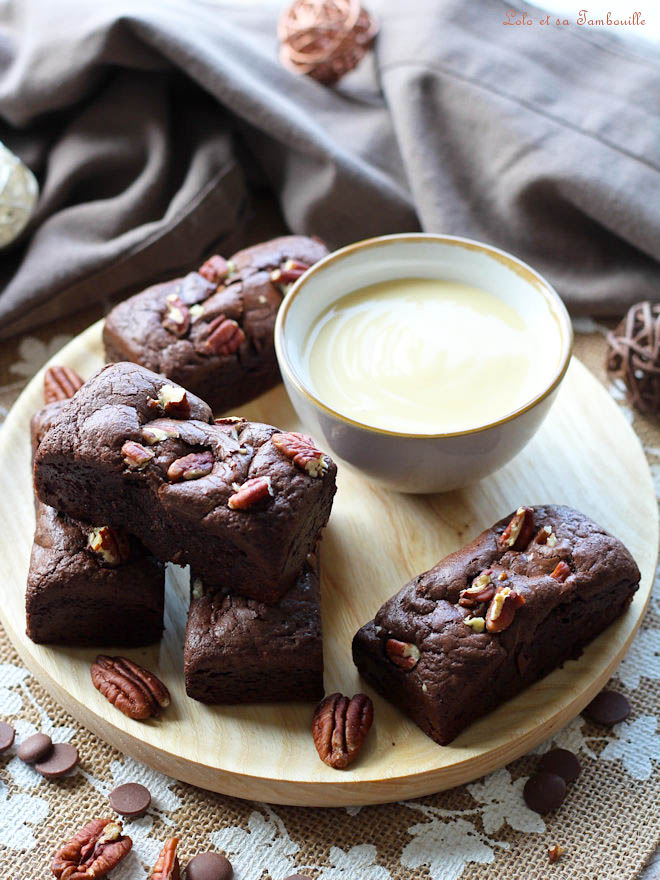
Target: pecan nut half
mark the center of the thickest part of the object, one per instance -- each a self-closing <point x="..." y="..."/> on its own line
<point x="546" y="536"/>
<point x="92" y="852"/>
<point x="134" y="690"/>
<point x="405" y="655"/>
<point x="216" y="269"/>
<point x="520" y="529"/>
<point x="340" y="727"/>
<point x="60" y="383"/>
<point x="231" y="424"/>
<point x="301" y="450"/>
<point x="167" y="864"/>
<point x="561" y="571"/>
<point x="173" y="400"/>
<point x="230" y="421"/>
<point x="191" y="467"/>
<point x="159" y="430"/>
<point x="476" y="624"/>
<point x="112" y="545"/>
<point x="135" y="456"/>
<point x="291" y="271"/>
<point x="223" y="337"/>
<point x="177" y="315"/>
<point x="502" y="609"/>
<point x="555" y="852"/>
<point x="251" y="492"/>
<point x="482" y="589"/>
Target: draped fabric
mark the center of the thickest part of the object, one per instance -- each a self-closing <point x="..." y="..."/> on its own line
<point x="150" y="123"/>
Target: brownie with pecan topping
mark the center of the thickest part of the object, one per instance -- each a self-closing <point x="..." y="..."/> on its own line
<point x="212" y="331"/>
<point x="241" y="502"/>
<point x="496" y="616"/>
<point x="89" y="585"/>
<point x="238" y="650"/>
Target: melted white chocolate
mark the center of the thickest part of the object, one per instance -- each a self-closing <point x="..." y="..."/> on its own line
<point x="425" y="356"/>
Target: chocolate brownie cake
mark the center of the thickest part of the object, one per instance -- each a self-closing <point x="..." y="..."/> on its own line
<point x="212" y="331"/>
<point x="242" y="502"/>
<point x="89" y="585"/>
<point x="490" y="619"/>
<point x="238" y="650"/>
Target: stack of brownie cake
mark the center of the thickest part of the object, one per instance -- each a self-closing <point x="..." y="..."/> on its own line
<point x="87" y="584"/>
<point x="133" y="472"/>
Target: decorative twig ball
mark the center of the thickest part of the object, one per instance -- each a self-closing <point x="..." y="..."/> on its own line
<point x="324" y="38"/>
<point x="634" y="355"/>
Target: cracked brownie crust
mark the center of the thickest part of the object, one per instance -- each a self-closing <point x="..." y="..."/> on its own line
<point x="213" y="332"/>
<point x="137" y="452"/>
<point x="449" y="647"/>
<point x="74" y="596"/>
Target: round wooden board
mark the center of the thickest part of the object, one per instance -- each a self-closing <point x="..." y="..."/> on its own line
<point x="584" y="455"/>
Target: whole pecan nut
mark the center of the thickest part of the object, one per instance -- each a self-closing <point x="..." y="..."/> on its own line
<point x="135" y="456"/>
<point x="561" y="571"/>
<point x="216" y="269"/>
<point x="340" y="727"/>
<point x="520" y="529"/>
<point x="192" y="466"/>
<point x="60" y="383"/>
<point x="167" y="864"/>
<point x="223" y="336"/>
<point x="405" y="655"/>
<point x="251" y="492"/>
<point x="112" y="545"/>
<point x="134" y="690"/>
<point x="177" y="315"/>
<point x="502" y="609"/>
<point x="301" y="450"/>
<point x="92" y="852"/>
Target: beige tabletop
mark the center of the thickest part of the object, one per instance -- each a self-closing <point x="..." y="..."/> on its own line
<point x="609" y="824"/>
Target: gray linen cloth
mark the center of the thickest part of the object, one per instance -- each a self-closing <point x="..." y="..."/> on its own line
<point x="149" y="122"/>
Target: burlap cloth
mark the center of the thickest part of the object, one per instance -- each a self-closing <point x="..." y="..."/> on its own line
<point x="609" y="824"/>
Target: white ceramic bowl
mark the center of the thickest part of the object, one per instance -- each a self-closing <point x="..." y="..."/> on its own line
<point x="418" y="462"/>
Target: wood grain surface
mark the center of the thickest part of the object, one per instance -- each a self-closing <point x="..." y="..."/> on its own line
<point x="584" y="455"/>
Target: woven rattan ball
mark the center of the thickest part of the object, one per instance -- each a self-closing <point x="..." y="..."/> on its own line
<point x="634" y="355"/>
<point x="324" y="38"/>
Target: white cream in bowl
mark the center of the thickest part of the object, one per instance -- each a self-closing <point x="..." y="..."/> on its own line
<point x="426" y="361"/>
<point x="426" y="355"/>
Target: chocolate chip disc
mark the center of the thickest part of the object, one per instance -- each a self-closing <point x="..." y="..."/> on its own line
<point x="609" y="707"/>
<point x="209" y="866"/>
<point x="562" y="763"/>
<point x="130" y="799"/>
<point x="7" y="735"/>
<point x="63" y="758"/>
<point x="544" y="792"/>
<point x="35" y="748"/>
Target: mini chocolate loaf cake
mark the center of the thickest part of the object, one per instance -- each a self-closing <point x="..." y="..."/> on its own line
<point x="490" y="619"/>
<point x="89" y="585"/>
<point x="242" y="502"/>
<point x="212" y="331"/>
<point x="238" y="650"/>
